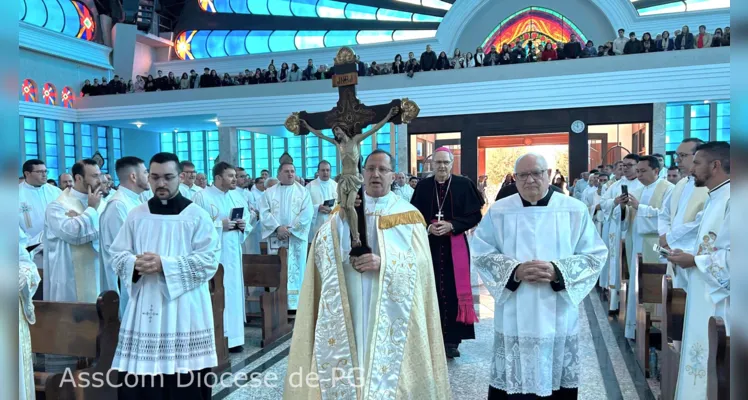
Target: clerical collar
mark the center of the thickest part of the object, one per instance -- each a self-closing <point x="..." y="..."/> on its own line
<point x="445" y="181"/>
<point x="375" y="205"/>
<point x="541" y="203"/>
<point x="721" y="185"/>
<point x="173" y="206"/>
<point x="32" y="187"/>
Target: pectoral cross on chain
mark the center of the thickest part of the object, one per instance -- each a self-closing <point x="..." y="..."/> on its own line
<point x="439" y="216"/>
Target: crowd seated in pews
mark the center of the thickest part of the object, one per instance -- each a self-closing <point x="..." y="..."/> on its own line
<point x="511" y="53"/>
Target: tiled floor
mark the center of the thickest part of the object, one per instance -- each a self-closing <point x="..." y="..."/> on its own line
<point x="608" y="369"/>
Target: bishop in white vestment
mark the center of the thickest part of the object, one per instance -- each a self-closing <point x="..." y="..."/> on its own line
<point x="165" y="255"/>
<point x="219" y="201"/>
<point x="28" y="282"/>
<point x="643" y="206"/>
<point x="71" y="234"/>
<point x="707" y="263"/>
<point x="371" y="320"/>
<point x="133" y="178"/>
<point x="615" y="214"/>
<point x="286" y="213"/>
<point x="322" y="190"/>
<point x="678" y="222"/>
<point x="539" y="256"/>
<point x="34" y="195"/>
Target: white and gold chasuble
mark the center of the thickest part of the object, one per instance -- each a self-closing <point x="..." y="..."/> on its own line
<point x="379" y="331"/>
<point x="708" y="293"/>
<point x="289" y="206"/>
<point x="536" y="349"/>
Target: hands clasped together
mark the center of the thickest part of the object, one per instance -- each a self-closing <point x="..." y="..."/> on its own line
<point x="148" y="263"/>
<point x="536" y="271"/>
<point x="440" y="228"/>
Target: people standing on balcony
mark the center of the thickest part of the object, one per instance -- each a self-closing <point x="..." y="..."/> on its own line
<point x="184" y="81"/>
<point x="241" y="79"/>
<point x="227" y="80"/>
<point x="283" y="76"/>
<point x="479" y="56"/>
<point x="428" y="59"/>
<point x="573" y="49"/>
<point x="320" y="74"/>
<point x="373" y="69"/>
<point x="160" y="81"/>
<point x="609" y="49"/>
<point x="205" y="80"/>
<point x="519" y="54"/>
<point x="360" y="66"/>
<point x="469" y="60"/>
<point x="634" y="45"/>
<point x="549" y="54"/>
<point x="150" y="84"/>
<point x="648" y="45"/>
<point x="294" y="75"/>
<point x="87" y="88"/>
<point x="665" y="43"/>
<point x="130" y="87"/>
<point x="412" y="67"/>
<point x="455" y="58"/>
<point x="532" y="52"/>
<point x="442" y="62"/>
<point x="620" y="43"/>
<point x="717" y="38"/>
<point x="560" y="54"/>
<point x="139" y="84"/>
<point x="703" y="39"/>
<point x="194" y="82"/>
<point x="258" y="77"/>
<point x="398" y="67"/>
<point x="589" y="50"/>
<point x="726" y="37"/>
<point x="684" y="39"/>
<point x="272" y="75"/>
<point x="492" y="58"/>
<point x="308" y="73"/>
<point x="123" y="85"/>
<point x="505" y="57"/>
<point x="215" y="79"/>
<point x="172" y="81"/>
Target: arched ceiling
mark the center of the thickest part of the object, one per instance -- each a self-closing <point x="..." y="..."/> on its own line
<point x="656" y="7"/>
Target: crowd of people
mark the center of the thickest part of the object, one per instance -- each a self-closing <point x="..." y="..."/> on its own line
<point x="510" y="53"/>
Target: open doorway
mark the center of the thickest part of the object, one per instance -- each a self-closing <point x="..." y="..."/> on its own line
<point x="498" y="154"/>
<point x="610" y="143"/>
<point x="422" y="148"/>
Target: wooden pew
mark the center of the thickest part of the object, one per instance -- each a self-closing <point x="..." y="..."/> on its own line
<point x="263" y="248"/>
<point x="674" y="304"/>
<point x="624" y="277"/>
<point x="270" y="272"/>
<point x="649" y="291"/>
<point x="718" y="365"/>
<point x="78" y="330"/>
<point x="39" y="294"/>
<point x="218" y="301"/>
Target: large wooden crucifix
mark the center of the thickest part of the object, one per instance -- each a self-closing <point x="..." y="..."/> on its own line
<point x="347" y="121"/>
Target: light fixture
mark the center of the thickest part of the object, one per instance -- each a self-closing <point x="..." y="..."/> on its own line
<point x="176" y="130"/>
<point x="216" y="121"/>
<point x="706" y="101"/>
<point x="138" y="124"/>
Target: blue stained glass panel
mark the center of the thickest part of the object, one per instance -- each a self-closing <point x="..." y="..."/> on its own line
<point x="701" y="110"/>
<point x="280" y="7"/>
<point x="393" y="15"/>
<point x="32" y="150"/>
<point x="235" y="43"/>
<point x="355" y="11"/>
<point x="50" y="126"/>
<point x="426" y="18"/>
<point x="68" y="127"/>
<point x="258" y="7"/>
<point x="330" y="9"/>
<point x="36" y="13"/>
<point x="436" y="4"/>
<point x="222" y="6"/>
<point x="412" y="35"/>
<point x="340" y="38"/>
<point x="72" y="23"/>
<point x="304" y="8"/>
<point x="282" y="41"/>
<point x="675" y="111"/>
<point x="86" y="141"/>
<point x="69" y="151"/>
<point x="367" y="37"/>
<point x="214" y="44"/>
<point x="700" y="123"/>
<point x="55" y="18"/>
<point x="257" y="42"/>
<point x="239" y="6"/>
<point x="29" y="136"/>
<point x="198" y="44"/>
<point x="29" y="123"/>
<point x="50" y="137"/>
<point x="310" y="39"/>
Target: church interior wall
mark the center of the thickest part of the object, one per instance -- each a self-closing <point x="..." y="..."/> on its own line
<point x="140" y="143"/>
<point x="43" y="68"/>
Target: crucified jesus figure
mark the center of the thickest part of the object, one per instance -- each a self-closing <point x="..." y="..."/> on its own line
<point x="350" y="179"/>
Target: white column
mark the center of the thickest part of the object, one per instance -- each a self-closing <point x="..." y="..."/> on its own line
<point x="658" y="128"/>
<point x="402" y="148"/>
<point x="228" y="145"/>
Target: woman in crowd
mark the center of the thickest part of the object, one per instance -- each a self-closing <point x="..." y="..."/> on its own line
<point x="717" y="38"/>
<point x="272" y="75"/>
<point x="609" y="49"/>
<point x="172" y="82"/>
<point x="130" y="87"/>
<point x="532" y="51"/>
<point x="589" y="50"/>
<point x="505" y="57"/>
<point x="560" y="55"/>
<point x="150" y="84"/>
<point x="227" y="80"/>
<point x="256" y="77"/>
<point x="215" y="79"/>
<point x="479" y="56"/>
<point x="648" y="43"/>
<point x="321" y="72"/>
<point x="684" y="41"/>
<point x="398" y="66"/>
<point x="508" y="180"/>
<point x="469" y="60"/>
<point x="455" y="58"/>
<point x="184" y="83"/>
<point x="726" y="37"/>
<point x="665" y="43"/>
<point x="548" y="53"/>
<point x="442" y="62"/>
<point x="139" y="84"/>
<point x="295" y="74"/>
<point x="283" y="73"/>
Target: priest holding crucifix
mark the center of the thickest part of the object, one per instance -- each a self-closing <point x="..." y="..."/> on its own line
<point x="451" y="205"/>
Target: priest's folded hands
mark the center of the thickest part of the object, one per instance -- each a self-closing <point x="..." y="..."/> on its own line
<point x="148" y="263"/>
<point x="536" y="272"/>
<point x="367" y="262"/>
<point x="282" y="232"/>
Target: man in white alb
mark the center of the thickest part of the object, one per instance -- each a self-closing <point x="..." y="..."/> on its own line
<point x="663" y="169"/>
<point x="71" y="234"/>
<point x="539" y="256"/>
<point x="707" y="263"/>
<point x="165" y="255"/>
<point x="220" y="201"/>
<point x="188" y="188"/>
<point x="588" y="196"/>
<point x="581" y="185"/>
<point x="201" y="180"/>
<point x="324" y="194"/>
<point x="286" y="213"/>
<point x="678" y="222"/>
<point x="643" y="205"/>
<point x="242" y="188"/>
<point x="673" y="175"/>
<point x="402" y="187"/>
<point x="107" y="187"/>
<point x="252" y="244"/>
<point x="592" y="200"/>
<point x="133" y="180"/>
<point x="373" y="319"/>
<point x="613" y="208"/>
<point x="34" y="195"/>
<point x="66" y="181"/>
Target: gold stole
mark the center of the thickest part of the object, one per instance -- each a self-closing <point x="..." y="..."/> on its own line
<point x="695" y="203"/>
<point x="648" y="240"/>
<point x="84" y="256"/>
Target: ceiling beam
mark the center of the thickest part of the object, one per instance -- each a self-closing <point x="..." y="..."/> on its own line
<point x="400" y="6"/>
<point x="652" y="3"/>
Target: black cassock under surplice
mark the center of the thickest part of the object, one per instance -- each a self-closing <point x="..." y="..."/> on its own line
<point x="462" y="207"/>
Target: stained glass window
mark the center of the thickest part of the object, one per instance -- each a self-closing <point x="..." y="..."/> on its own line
<point x="197" y="152"/>
<point x="183" y="145"/>
<point x="261" y="153"/>
<point x="538" y="24"/>
<point x="700" y="121"/>
<point x="245" y="153"/>
<point x="723" y="121"/>
<point x="71" y="18"/>
<point x="167" y="142"/>
<point x="49" y="94"/>
<point x="86" y="141"/>
<point x="68" y="130"/>
<point x="30" y="138"/>
<point x="68" y="97"/>
<point x="312" y="158"/>
<point x="278" y="148"/>
<point x="29" y="91"/>
<point x="213" y="152"/>
<point x="102" y="147"/>
<point x="50" y="147"/>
